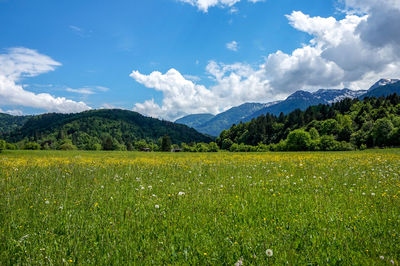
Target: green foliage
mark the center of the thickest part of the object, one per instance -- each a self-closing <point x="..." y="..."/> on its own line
<point x="298" y="140"/>
<point x="32" y="146"/>
<point x="381" y="131"/>
<point x="3" y="145"/>
<point x="166" y="143"/>
<point x="88" y="130"/>
<point x="341" y="126"/>
<point x="10" y="146"/>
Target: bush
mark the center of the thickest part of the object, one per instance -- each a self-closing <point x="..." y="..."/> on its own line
<point x="3" y="145"/>
<point x="67" y="147"/>
<point x="11" y="146"/>
<point x="226" y="144"/>
<point x="213" y="147"/>
<point x="298" y="140"/>
<point x="32" y="146"/>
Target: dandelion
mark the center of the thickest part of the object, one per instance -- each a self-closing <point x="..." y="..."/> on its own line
<point x="269" y="252"/>
<point x="205" y="253"/>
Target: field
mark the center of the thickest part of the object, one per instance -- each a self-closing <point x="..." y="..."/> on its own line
<point x="206" y="209"/>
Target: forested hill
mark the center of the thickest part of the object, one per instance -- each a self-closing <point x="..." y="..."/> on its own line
<point x="348" y="124"/>
<point x="92" y="127"/>
<point x="9" y="123"/>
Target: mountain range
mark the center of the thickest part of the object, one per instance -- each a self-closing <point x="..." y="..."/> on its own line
<point x="214" y="125"/>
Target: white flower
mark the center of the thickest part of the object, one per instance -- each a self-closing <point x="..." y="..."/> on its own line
<point x="201" y="183"/>
<point x="181" y="193"/>
<point x="382" y="257"/>
<point x="269" y="252"/>
<point x="150" y="187"/>
<point x="157" y="206"/>
<point x="47" y="202"/>
<point x="239" y="262"/>
<point x="372" y="194"/>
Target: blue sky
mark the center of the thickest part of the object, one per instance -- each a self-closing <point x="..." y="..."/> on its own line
<point x="168" y="58"/>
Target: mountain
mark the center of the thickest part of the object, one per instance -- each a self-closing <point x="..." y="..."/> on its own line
<point x="226" y="119"/>
<point x="383" y="82"/>
<point x="387" y="87"/>
<point x="195" y="120"/>
<point x="303" y="99"/>
<point x="93" y="126"/>
<point x="9" y="123"/>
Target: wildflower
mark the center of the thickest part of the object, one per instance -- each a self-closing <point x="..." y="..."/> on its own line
<point x="205" y="253"/>
<point x="181" y="193"/>
<point x="47" y="202"/>
<point x="150" y="187"/>
<point x="269" y="252"/>
<point x="239" y="262"/>
<point x="372" y="194"/>
<point x="157" y="206"/>
<point x="96" y="204"/>
<point x="392" y="262"/>
<point x="382" y="257"/>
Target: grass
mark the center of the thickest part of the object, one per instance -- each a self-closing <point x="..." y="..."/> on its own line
<point x="206" y="209"/>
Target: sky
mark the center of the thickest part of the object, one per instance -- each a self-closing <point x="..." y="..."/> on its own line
<point x="171" y="58"/>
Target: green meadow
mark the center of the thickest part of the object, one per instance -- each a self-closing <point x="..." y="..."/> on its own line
<point x="116" y="208"/>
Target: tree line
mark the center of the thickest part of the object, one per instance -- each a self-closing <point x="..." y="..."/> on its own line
<point x="346" y="125"/>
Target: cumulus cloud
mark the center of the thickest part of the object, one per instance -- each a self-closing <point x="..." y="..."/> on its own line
<point x="11" y="112"/>
<point x="18" y="63"/>
<point x="352" y="52"/>
<point x="235" y="84"/>
<point x="233" y="46"/>
<point x="204" y="5"/>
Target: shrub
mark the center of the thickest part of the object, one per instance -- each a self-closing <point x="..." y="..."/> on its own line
<point x="11" y="146"/>
<point x="32" y="146"/>
<point x="67" y="147"/>
<point x="3" y="145"/>
<point x="298" y="140"/>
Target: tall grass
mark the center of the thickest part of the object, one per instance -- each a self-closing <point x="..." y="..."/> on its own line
<point x="152" y="208"/>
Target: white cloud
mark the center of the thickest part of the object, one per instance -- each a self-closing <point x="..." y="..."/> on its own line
<point x="11" y="112"/>
<point x="233" y="46"/>
<point x="204" y="5"/>
<point x="18" y="63"/>
<point x="88" y="90"/>
<point x="352" y="52"/>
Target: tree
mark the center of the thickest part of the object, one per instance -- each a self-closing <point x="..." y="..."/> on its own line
<point x="108" y="144"/>
<point x="3" y="145"/>
<point x="314" y="133"/>
<point x="166" y="143"/>
<point x="381" y="131"/>
<point x="32" y="146"/>
<point x="226" y="144"/>
<point x="298" y="140"/>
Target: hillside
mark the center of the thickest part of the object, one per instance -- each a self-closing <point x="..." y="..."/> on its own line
<point x="9" y="123"/>
<point x="92" y="127"/>
<point x="344" y="125"/>
<point x="383" y="88"/>
<point x="303" y="99"/>
<point x="194" y="120"/>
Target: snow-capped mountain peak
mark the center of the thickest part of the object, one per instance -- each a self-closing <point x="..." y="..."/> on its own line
<point x="383" y="82"/>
